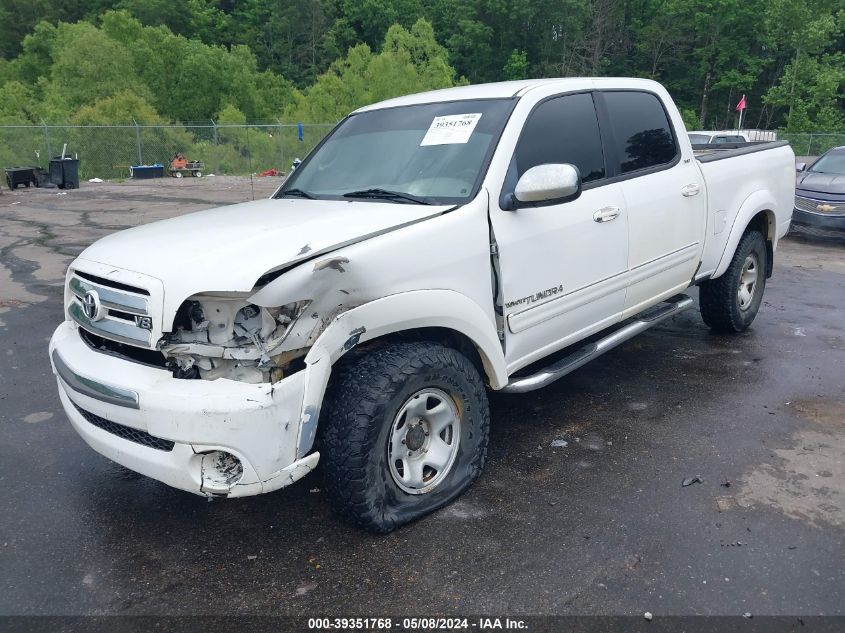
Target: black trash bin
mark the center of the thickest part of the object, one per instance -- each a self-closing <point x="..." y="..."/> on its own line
<point x="65" y="173"/>
<point x="21" y="176"/>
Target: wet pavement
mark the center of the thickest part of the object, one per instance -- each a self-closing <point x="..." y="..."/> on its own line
<point x="601" y="525"/>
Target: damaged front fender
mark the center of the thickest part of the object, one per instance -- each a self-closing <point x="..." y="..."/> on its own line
<point x="251" y="338"/>
<point x="443" y="309"/>
<point x="404" y="311"/>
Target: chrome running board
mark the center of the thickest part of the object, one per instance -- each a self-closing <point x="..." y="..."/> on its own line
<point x="567" y="364"/>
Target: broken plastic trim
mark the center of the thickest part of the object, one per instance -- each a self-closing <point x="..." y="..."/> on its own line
<point x="226" y="336"/>
<point x="220" y="472"/>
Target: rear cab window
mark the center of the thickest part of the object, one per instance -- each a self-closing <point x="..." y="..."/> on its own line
<point x="641" y="136"/>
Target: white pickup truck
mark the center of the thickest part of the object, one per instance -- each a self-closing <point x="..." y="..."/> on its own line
<point x="432" y="247"/>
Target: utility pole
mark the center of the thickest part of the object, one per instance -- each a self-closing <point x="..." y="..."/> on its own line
<point x="792" y="87"/>
<point x="138" y="141"/>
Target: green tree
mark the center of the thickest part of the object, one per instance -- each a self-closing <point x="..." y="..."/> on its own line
<point x="202" y="19"/>
<point x="19" y="17"/>
<point x="723" y="32"/>
<point x="123" y="107"/>
<point x="190" y="80"/>
<point x="87" y="65"/>
<point x="810" y="89"/>
<point x="516" y="66"/>
<point x="372" y="19"/>
<point x="190" y="60"/>
<point x="17" y="104"/>
<point x="410" y="61"/>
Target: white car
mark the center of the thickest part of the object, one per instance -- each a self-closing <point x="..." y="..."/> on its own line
<point x="717" y="138"/>
<point x="431" y="248"/>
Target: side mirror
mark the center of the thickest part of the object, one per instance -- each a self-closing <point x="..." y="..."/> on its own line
<point x="551" y="183"/>
<point x="800" y="166"/>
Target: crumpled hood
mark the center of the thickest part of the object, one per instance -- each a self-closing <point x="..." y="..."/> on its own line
<point x="822" y="183"/>
<point x="229" y="248"/>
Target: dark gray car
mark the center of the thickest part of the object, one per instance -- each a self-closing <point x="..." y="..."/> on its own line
<point x="820" y="195"/>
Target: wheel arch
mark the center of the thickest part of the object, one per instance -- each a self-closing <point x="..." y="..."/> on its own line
<point x="755" y="212"/>
<point x="766" y="223"/>
<point x="444" y="316"/>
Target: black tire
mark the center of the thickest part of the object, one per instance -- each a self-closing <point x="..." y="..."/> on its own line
<point x="366" y="394"/>
<point x="719" y="299"/>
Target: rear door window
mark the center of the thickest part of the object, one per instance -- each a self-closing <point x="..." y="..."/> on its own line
<point x="642" y="135"/>
<point x="563" y="130"/>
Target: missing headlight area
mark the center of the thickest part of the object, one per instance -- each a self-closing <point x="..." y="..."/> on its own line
<point x="216" y="337"/>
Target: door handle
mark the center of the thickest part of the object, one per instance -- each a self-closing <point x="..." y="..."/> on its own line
<point x="691" y="190"/>
<point x="606" y="214"/>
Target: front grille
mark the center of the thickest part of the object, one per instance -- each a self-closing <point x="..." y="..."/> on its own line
<point x="127" y="433"/>
<point x="111" y="283"/>
<point x="123" y="308"/>
<point x="812" y="206"/>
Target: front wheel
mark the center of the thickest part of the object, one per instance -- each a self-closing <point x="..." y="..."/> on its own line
<point x="405" y="433"/>
<point x="730" y="302"/>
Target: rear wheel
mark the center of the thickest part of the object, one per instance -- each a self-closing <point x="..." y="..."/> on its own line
<point x="405" y="433"/>
<point x="730" y="302"/>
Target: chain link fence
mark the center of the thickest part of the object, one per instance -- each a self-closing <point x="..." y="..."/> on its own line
<point x="812" y="143"/>
<point x="108" y="151"/>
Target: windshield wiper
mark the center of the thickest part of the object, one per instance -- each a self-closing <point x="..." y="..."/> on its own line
<point x="298" y="193"/>
<point x="385" y="194"/>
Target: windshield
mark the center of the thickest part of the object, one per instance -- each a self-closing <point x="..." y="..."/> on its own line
<point x="831" y="163"/>
<point x="432" y="153"/>
<point x="699" y="139"/>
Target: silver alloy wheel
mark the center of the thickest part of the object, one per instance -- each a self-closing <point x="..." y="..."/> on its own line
<point x="748" y="281"/>
<point x="423" y="441"/>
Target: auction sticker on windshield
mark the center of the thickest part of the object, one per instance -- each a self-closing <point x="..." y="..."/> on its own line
<point x="451" y="129"/>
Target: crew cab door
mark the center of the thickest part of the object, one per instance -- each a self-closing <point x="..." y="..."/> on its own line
<point x="664" y="194"/>
<point x="562" y="267"/>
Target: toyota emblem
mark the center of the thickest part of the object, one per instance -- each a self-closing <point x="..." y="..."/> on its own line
<point x="91" y="305"/>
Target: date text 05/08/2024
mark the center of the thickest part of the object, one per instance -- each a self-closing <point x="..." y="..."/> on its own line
<point x="416" y="624"/>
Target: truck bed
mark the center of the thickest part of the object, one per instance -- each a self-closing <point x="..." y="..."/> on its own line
<point x="707" y="153"/>
<point x="753" y="174"/>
